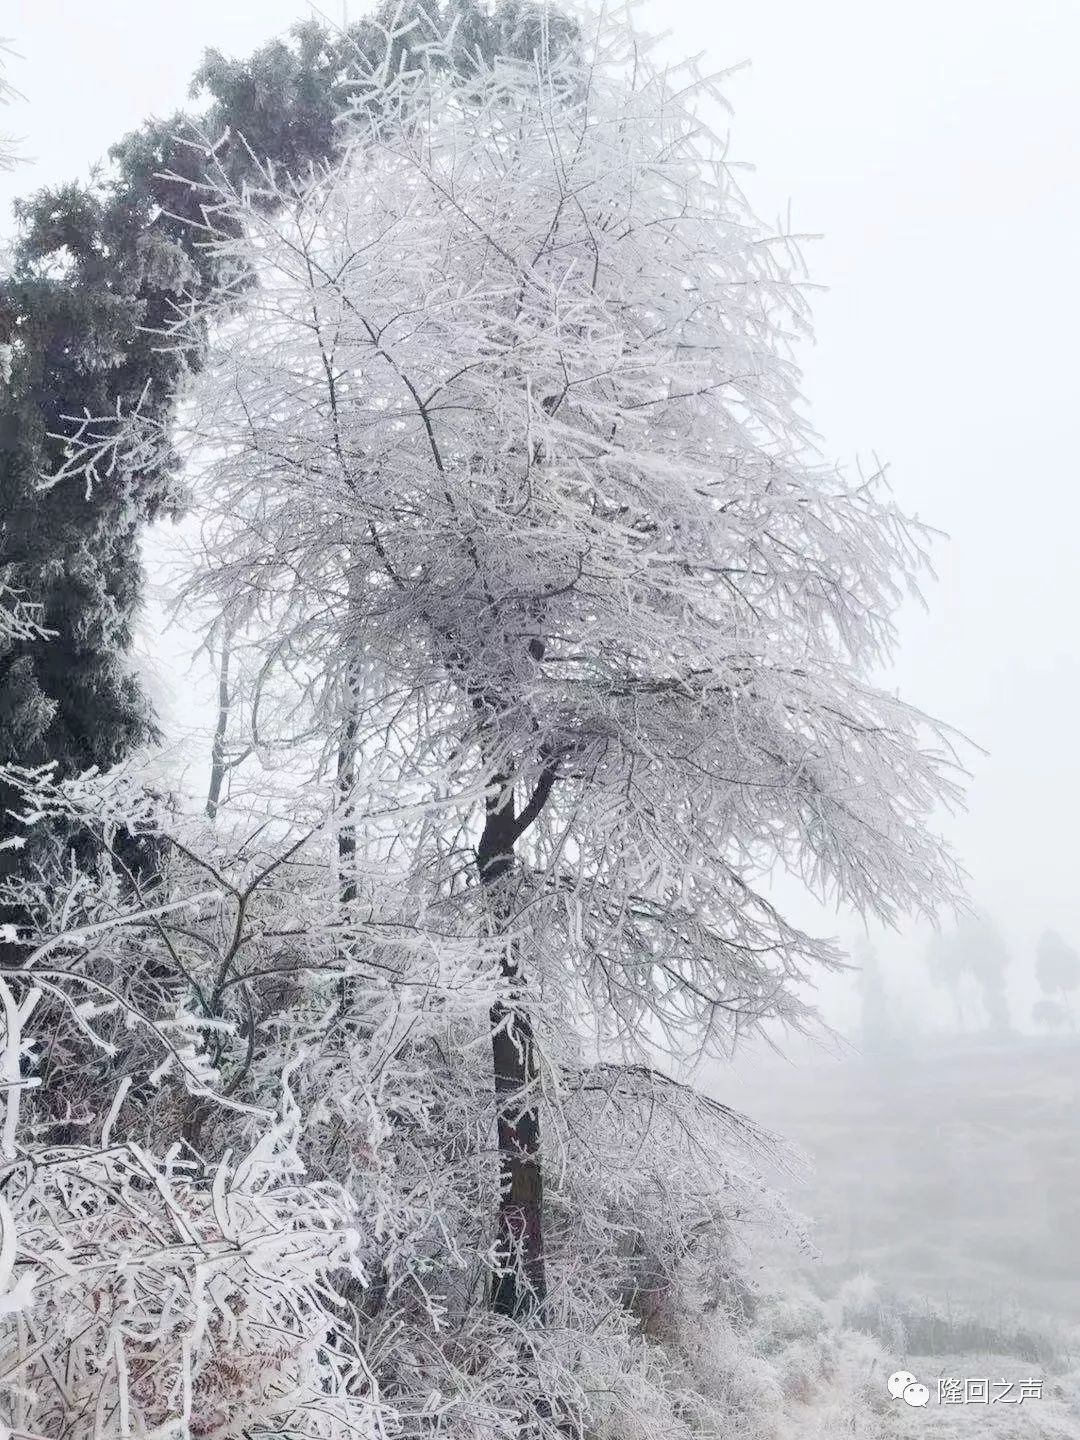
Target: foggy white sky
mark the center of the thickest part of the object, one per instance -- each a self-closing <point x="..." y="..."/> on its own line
<point x="937" y="146"/>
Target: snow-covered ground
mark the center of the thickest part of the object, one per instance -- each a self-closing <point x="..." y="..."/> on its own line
<point x="945" y="1200"/>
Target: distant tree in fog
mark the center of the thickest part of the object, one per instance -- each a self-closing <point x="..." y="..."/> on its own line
<point x="1049" y="1015"/>
<point x="876" y="1028"/>
<point x="976" y="949"/>
<point x="944" y="963"/>
<point x="886" y="1019"/>
<point x="1057" y="968"/>
<point x="989" y="959"/>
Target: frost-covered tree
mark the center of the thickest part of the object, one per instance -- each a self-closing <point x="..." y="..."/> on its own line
<point x="96" y="269"/>
<point x="551" y="638"/>
<point x="506" y="486"/>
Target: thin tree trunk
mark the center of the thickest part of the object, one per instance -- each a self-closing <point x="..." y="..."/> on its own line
<point x="346" y="830"/>
<point x="350" y="724"/>
<point x="520" y="1288"/>
<point x="218" y="766"/>
<point x="346" y="781"/>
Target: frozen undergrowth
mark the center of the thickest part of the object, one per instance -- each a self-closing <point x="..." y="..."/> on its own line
<point x="818" y="1368"/>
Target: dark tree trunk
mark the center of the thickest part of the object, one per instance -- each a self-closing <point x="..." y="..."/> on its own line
<point x="346" y="841"/>
<point x="346" y="836"/>
<point x="520" y="1288"/>
<point x="217" y="752"/>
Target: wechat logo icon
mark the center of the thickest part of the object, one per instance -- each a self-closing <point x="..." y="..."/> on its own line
<point x="904" y="1386"/>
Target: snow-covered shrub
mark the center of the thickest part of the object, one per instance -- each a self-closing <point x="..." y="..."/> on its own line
<point x="155" y="1295"/>
<point x="234" y="1007"/>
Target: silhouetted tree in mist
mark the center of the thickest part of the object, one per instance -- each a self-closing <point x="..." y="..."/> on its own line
<point x="976" y="949"/>
<point x="1057" y="968"/>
